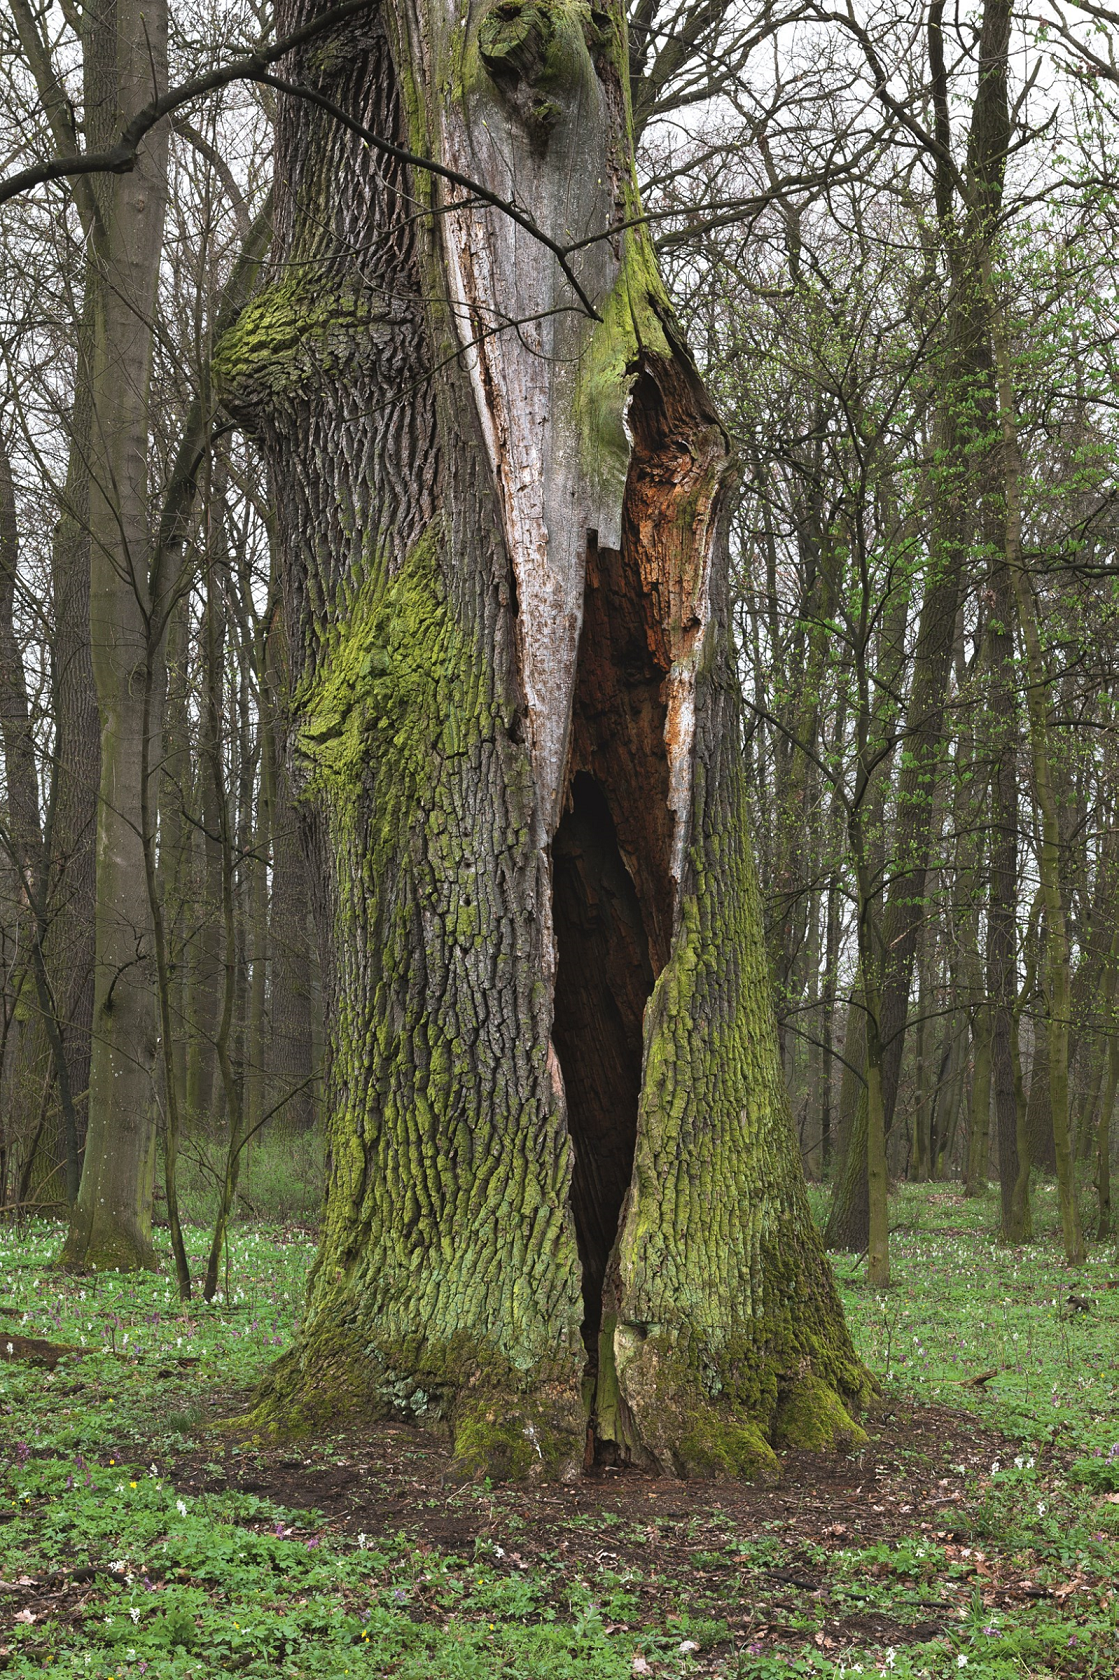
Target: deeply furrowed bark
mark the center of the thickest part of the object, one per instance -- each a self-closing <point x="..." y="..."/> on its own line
<point x="564" y="1201"/>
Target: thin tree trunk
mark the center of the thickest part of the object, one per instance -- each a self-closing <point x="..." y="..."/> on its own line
<point x="1002" y="979"/>
<point x="217" y="801"/>
<point x="1049" y="862"/>
<point x="1039" y="1103"/>
<point x="956" y="423"/>
<point x="21" y="828"/>
<point x="257" y="933"/>
<point x="1103" y="1141"/>
<point x="208" y="964"/>
<point x="979" y="1112"/>
<point x="75" y="761"/>
<point x="175" y="832"/>
<point x="291" y="1061"/>
<point x="922" y="1083"/>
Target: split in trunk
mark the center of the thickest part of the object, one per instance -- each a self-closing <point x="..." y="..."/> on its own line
<point x="564" y="1194"/>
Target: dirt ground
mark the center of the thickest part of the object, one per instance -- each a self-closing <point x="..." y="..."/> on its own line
<point x="666" y="1533"/>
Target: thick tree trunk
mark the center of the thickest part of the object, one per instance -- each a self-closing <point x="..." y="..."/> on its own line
<point x="111" y="1222"/>
<point x="565" y="1202"/>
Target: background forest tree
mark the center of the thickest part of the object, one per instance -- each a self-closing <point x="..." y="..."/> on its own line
<point x="891" y="240"/>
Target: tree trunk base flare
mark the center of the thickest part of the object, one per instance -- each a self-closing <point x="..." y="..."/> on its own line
<point x="108" y="1252"/>
<point x="565" y="1210"/>
<point x="110" y="1226"/>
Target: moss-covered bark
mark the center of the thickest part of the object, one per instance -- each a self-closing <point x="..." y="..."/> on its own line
<point x="504" y="593"/>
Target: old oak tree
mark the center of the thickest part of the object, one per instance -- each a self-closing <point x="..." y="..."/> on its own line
<point x="565" y="1210"/>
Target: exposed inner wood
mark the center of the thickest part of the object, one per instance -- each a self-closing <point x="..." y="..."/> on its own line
<point x="617" y="854"/>
<point x="613" y="890"/>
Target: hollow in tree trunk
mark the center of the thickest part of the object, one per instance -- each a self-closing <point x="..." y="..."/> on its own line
<point x="565" y="1209"/>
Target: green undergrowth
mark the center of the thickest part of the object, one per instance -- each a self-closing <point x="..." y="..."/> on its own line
<point x="130" y="1566"/>
<point x="961" y="1304"/>
<point x="281" y="1181"/>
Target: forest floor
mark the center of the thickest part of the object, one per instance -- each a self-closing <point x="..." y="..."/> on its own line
<point x="979" y="1530"/>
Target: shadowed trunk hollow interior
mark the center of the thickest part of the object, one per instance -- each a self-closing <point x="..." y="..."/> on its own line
<point x="602" y="982"/>
<point x="612" y="899"/>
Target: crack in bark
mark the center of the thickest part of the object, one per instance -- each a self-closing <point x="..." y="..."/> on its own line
<point x="614" y="896"/>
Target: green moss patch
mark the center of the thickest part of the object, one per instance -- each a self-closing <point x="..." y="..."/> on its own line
<point x="813" y="1417"/>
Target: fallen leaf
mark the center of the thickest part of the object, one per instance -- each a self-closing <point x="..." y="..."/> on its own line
<point x="640" y="1666"/>
<point x="26" y="1616"/>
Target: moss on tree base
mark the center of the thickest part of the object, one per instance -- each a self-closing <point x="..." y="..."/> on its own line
<point x="811" y="1416"/>
<point x="115" y="1252"/>
<point x="516" y="1426"/>
<point x="501" y="1423"/>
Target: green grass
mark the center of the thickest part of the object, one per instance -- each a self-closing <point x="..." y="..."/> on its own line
<point x="961" y="1304"/>
<point x="227" y="1583"/>
<point x="281" y="1182"/>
